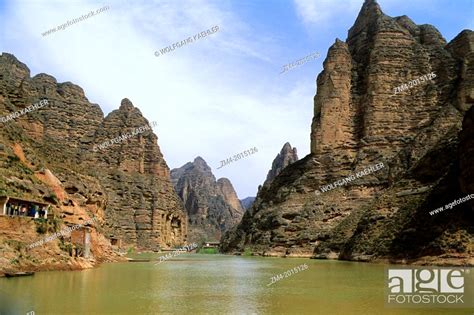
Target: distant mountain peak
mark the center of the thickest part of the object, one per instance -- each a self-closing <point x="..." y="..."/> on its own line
<point x="286" y="156"/>
<point x="212" y="205"/>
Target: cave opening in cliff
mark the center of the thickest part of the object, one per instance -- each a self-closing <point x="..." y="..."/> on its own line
<point x="23" y="208"/>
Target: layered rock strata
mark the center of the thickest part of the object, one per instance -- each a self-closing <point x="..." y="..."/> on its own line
<point x="50" y="155"/>
<point x="359" y="122"/>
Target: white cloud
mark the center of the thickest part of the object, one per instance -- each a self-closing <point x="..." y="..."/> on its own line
<point x="325" y="11"/>
<point x="215" y="97"/>
<point x="212" y="98"/>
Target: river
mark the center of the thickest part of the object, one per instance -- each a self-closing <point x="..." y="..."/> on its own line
<point x="206" y="284"/>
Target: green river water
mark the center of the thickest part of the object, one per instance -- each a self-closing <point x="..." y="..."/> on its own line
<point x="206" y="284"/>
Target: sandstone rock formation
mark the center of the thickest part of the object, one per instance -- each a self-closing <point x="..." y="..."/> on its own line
<point x="286" y="156"/>
<point x="358" y="122"/>
<point x="142" y="205"/>
<point x="212" y="206"/>
<point x="51" y="155"/>
<point x="229" y="194"/>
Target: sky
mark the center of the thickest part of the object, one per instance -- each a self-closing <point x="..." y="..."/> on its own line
<point x="223" y="93"/>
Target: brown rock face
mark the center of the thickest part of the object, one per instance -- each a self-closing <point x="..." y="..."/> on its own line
<point x="229" y="194"/>
<point x="126" y="184"/>
<point x="144" y="206"/>
<point x="466" y="153"/>
<point x="359" y="121"/>
<point x="286" y="156"/>
<point x="212" y="206"/>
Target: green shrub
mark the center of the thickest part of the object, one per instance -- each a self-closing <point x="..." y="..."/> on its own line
<point x="13" y="158"/>
<point x="67" y="247"/>
<point x="208" y="251"/>
<point x="53" y="224"/>
<point x="17" y="245"/>
<point x="247" y="252"/>
<point x="51" y="198"/>
<point x="41" y="226"/>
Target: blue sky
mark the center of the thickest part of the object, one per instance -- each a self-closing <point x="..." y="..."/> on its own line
<point x="220" y="95"/>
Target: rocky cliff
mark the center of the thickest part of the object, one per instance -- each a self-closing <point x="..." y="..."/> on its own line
<point x="142" y="205"/>
<point x="361" y="119"/>
<point x="230" y="196"/>
<point x="286" y="156"/>
<point x="56" y="154"/>
<point x="212" y="206"/>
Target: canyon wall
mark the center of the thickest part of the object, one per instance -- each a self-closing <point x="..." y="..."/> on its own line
<point x="361" y="120"/>
<point x="56" y="154"/>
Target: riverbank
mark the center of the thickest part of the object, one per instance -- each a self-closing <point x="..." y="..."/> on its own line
<point x="51" y="260"/>
<point x="454" y="259"/>
<point x="16" y="255"/>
